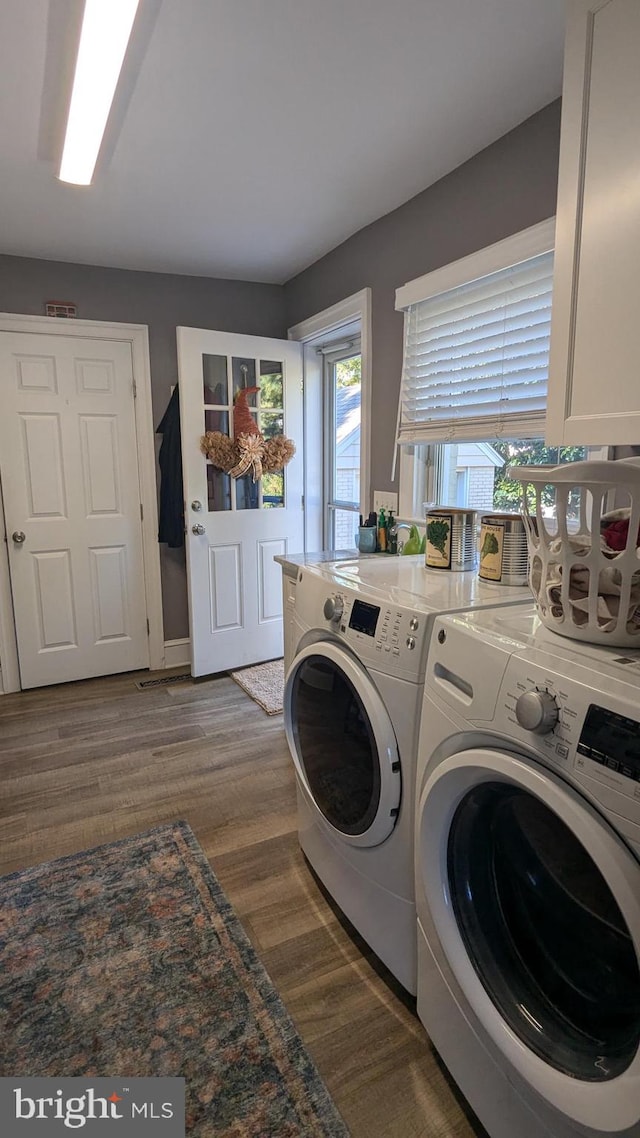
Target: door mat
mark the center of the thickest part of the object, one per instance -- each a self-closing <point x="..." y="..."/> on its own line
<point x="128" y="960"/>
<point x="264" y="683"/>
<point x="162" y="680"/>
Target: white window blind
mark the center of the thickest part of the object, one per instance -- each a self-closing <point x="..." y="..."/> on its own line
<point x="476" y="358"/>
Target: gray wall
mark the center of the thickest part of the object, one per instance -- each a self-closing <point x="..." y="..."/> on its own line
<point x="507" y="187"/>
<point x="162" y="301"/>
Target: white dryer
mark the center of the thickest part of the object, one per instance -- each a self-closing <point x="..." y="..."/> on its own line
<point x="528" y="875"/>
<point x="352" y="704"/>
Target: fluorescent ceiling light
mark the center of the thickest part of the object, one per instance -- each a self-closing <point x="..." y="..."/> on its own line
<point x="106" y="27"/>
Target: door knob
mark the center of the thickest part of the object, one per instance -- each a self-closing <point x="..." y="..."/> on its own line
<point x="197" y="529"/>
<point x="196" y="506"/>
<point x="18" y="536"/>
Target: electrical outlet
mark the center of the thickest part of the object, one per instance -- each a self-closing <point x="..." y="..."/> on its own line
<point x="385" y="500"/>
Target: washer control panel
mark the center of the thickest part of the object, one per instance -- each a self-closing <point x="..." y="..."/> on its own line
<point x="364" y="617"/>
<point x="387" y="637"/>
<point x="397" y="632"/>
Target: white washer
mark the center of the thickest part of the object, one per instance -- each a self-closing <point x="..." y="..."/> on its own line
<point x="528" y="875"/>
<point x="352" y="704"/>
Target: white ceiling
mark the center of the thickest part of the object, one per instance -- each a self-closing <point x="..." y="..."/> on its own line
<point x="250" y="137"/>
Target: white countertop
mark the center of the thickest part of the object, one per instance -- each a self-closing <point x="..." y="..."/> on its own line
<point x="291" y="562"/>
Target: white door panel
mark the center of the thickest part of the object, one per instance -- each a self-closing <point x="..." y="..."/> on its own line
<point x="68" y="461"/>
<point x="235" y="591"/>
<point x="269" y="580"/>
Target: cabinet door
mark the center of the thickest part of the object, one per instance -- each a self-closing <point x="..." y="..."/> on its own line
<point x="594" y="371"/>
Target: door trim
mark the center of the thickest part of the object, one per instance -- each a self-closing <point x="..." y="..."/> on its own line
<point x="137" y="335"/>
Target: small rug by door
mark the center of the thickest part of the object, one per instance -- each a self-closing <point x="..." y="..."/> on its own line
<point x="264" y="683"/>
<point x="128" y="960"/>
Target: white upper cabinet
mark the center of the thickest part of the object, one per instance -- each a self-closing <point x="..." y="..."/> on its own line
<point x="594" y="372"/>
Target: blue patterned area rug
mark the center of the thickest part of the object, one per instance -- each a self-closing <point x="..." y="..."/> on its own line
<point x="128" y="960"/>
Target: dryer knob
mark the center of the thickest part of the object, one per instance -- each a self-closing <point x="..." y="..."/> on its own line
<point x="333" y="607"/>
<point x="537" y="711"/>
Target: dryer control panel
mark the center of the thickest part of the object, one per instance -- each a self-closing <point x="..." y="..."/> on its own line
<point x="612" y="741"/>
<point x="592" y="743"/>
<point x="571" y="707"/>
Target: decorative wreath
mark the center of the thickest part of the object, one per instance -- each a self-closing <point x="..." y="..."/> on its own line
<point x="248" y="450"/>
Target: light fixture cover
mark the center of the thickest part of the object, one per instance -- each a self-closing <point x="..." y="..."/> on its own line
<point x="106" y="28"/>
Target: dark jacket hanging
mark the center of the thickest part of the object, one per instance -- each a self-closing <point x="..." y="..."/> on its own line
<point x="171" y="521"/>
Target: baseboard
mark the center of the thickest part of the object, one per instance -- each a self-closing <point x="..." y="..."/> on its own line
<point x="177" y="652"/>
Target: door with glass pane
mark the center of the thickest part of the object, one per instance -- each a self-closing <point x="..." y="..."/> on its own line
<point x="235" y="526"/>
<point x="342" y="409"/>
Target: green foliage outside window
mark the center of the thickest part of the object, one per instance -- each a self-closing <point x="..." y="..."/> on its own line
<point x="507" y="494"/>
<point x="349" y="372"/>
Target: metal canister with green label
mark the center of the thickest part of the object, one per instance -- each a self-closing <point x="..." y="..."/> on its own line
<point x="503" y="549"/>
<point x="451" y="538"/>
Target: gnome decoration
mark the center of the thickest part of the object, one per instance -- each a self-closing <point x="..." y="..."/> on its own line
<point x="248" y="450"/>
<point x="246" y="433"/>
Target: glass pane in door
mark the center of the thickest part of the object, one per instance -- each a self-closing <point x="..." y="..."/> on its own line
<point x="271" y="423"/>
<point x="544" y="932"/>
<point x="336" y="745"/>
<point x="271" y="389"/>
<point x="214" y="372"/>
<point x="266" y="408"/>
<point x="247" y="493"/>
<point x="218" y="489"/>
<point x="217" y="421"/>
<point x="273" y="490"/>
<point x="244" y="375"/>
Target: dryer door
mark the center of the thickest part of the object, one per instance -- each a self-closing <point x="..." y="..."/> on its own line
<point x="343" y="745"/>
<point x="536" y="903"/>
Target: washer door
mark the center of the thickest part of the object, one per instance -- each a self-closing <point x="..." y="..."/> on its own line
<point x="343" y="744"/>
<point x="536" y="902"/>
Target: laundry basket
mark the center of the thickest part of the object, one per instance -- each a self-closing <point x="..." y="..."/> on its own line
<point x="582" y="521"/>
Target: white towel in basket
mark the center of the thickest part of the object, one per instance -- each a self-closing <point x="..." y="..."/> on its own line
<point x="609" y="587"/>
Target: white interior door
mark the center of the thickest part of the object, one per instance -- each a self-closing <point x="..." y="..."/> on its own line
<point x="68" y="463"/>
<point x="235" y="593"/>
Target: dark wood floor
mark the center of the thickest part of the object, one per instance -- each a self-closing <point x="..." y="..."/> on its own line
<point x="90" y="762"/>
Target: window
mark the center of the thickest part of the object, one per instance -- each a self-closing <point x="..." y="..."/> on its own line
<point x="473" y="391"/>
<point x="474" y="474"/>
<point x="337" y="415"/>
<point x="476" y="344"/>
<point x="342" y="381"/>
